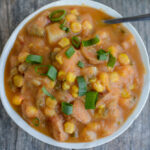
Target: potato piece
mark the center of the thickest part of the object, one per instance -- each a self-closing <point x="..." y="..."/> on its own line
<point x="80" y="113"/>
<point x="54" y="33"/>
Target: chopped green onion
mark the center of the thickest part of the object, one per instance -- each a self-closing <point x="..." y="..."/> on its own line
<point x="40" y="66"/>
<point x="82" y="85"/>
<point x="34" y="59"/>
<point x="52" y="73"/>
<point x="47" y="93"/>
<point x="81" y="64"/>
<point x="66" y="108"/>
<point x="63" y="27"/>
<point x="70" y="52"/>
<point x="102" y="55"/>
<point x="91" y="41"/>
<point x="111" y="61"/>
<point x="90" y="100"/>
<point x="57" y="15"/>
<point x="36" y="122"/>
<point x="75" y="42"/>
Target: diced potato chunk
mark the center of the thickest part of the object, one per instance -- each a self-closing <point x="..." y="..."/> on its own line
<point x="51" y="103"/>
<point x="71" y="17"/>
<point x="54" y="33"/>
<point x="31" y="111"/>
<point x="49" y="112"/>
<point x="69" y="127"/>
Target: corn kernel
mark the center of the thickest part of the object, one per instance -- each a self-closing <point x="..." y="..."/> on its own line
<point x="124" y="59"/>
<point x="30" y="45"/>
<point x="74" y="91"/>
<point x="125" y="93"/>
<point x="22" y="57"/>
<point x="17" y="100"/>
<point x="104" y="78"/>
<point x="101" y="109"/>
<point x="49" y="112"/>
<point x="51" y="84"/>
<point x="65" y="86"/>
<point x="113" y="50"/>
<point x="18" y="80"/>
<point x="70" y="77"/>
<point x="75" y="12"/>
<point x="69" y="127"/>
<point x="31" y="111"/>
<point x="93" y="126"/>
<point x="98" y="86"/>
<point x="61" y="75"/>
<point x="132" y="87"/>
<point x="51" y="103"/>
<point x="87" y="25"/>
<point x="114" y="77"/>
<point x="92" y="80"/>
<point x="64" y="42"/>
<point x="76" y="27"/>
<point x="59" y="59"/>
<point x="71" y="17"/>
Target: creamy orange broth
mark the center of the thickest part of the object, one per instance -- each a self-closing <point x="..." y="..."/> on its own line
<point x="118" y="87"/>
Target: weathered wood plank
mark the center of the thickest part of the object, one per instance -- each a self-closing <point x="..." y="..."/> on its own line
<point x="12" y="12"/>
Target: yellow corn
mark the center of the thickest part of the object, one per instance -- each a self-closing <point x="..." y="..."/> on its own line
<point x="59" y="59"/>
<point x="76" y="27"/>
<point x="22" y="57"/>
<point x="64" y="42"/>
<point x="61" y="75"/>
<point x="113" y="50"/>
<point x="17" y="100"/>
<point x="75" y="12"/>
<point x="114" y="77"/>
<point x="71" y="18"/>
<point x="30" y="45"/>
<point x="92" y="80"/>
<point x="87" y="25"/>
<point x="65" y="86"/>
<point x="49" y="112"/>
<point x="124" y="59"/>
<point x="98" y="86"/>
<point x="51" y="103"/>
<point x="51" y="84"/>
<point x="74" y="91"/>
<point x="132" y="87"/>
<point x="31" y="111"/>
<point x="18" y="80"/>
<point x="93" y="126"/>
<point x="104" y="78"/>
<point x="69" y="127"/>
<point x="70" y="77"/>
<point x="101" y="109"/>
<point x="125" y="93"/>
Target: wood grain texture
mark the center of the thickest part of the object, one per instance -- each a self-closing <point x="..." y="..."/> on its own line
<point x="137" y="137"/>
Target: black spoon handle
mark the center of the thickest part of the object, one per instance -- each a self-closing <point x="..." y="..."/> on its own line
<point x="128" y="19"/>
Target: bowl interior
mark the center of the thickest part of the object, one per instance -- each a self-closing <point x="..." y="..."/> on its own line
<point x="20" y="122"/>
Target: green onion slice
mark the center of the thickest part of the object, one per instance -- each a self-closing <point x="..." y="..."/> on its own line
<point x="36" y="121"/>
<point x="81" y="64"/>
<point x="102" y="55"/>
<point x="41" y="66"/>
<point x="91" y="41"/>
<point x="52" y="73"/>
<point x="111" y="61"/>
<point x="66" y="108"/>
<point x="47" y="93"/>
<point x="82" y="85"/>
<point x="34" y="59"/>
<point x="90" y="100"/>
<point x="70" y="52"/>
<point x="63" y="27"/>
<point x="75" y="42"/>
<point x="57" y="15"/>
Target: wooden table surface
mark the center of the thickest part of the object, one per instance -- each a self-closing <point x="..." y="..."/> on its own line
<point x="137" y="137"/>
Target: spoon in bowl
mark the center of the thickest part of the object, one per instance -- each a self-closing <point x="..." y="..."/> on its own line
<point x="128" y="19"/>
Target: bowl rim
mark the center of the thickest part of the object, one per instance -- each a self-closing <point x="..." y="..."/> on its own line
<point x="22" y="124"/>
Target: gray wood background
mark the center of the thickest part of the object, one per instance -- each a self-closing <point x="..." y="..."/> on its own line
<point x="137" y="137"/>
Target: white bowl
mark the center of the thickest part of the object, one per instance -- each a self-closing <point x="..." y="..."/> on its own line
<point x="21" y="123"/>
